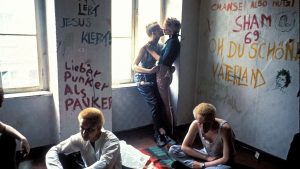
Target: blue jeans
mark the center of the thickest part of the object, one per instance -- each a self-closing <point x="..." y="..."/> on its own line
<point x="176" y="152"/>
<point x="150" y="93"/>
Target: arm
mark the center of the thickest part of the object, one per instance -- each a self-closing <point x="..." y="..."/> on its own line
<point x="67" y="146"/>
<point x="226" y="135"/>
<point x="153" y="53"/>
<point x="137" y="60"/>
<point x="110" y="154"/>
<point x="171" y="52"/>
<point x="25" y="148"/>
<point x="189" y="140"/>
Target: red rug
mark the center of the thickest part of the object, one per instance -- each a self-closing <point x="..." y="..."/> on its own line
<point x="159" y="158"/>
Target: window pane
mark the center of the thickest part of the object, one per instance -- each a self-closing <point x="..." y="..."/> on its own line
<point x="121" y="59"/>
<point x="121" y="18"/>
<point x="121" y="40"/>
<point x="17" y="17"/>
<point x="19" y="61"/>
<point x="149" y="11"/>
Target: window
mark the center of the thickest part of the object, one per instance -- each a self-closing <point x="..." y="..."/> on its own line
<point x="129" y="18"/>
<point x="21" y="45"/>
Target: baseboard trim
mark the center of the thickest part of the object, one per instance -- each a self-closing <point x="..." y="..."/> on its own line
<point x="263" y="155"/>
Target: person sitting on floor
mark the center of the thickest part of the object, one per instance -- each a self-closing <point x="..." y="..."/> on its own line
<point x="217" y="139"/>
<point x="8" y="136"/>
<point x="99" y="148"/>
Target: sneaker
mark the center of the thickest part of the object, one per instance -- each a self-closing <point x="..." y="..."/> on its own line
<point x="160" y="140"/>
<point x="169" y="140"/>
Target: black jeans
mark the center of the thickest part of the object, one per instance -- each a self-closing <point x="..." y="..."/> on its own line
<point x="71" y="161"/>
<point x="8" y="151"/>
<point x="74" y="161"/>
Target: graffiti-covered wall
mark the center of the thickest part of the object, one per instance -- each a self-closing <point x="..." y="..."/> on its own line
<point x="249" y="68"/>
<point x="83" y="51"/>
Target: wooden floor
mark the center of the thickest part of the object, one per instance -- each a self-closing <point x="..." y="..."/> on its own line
<point x="143" y="137"/>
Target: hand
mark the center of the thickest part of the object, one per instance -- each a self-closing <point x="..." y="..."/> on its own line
<point x="196" y="164"/>
<point x="210" y="158"/>
<point x="25" y="148"/>
<point x="154" y="69"/>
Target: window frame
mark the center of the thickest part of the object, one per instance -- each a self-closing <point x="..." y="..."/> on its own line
<point x="42" y="53"/>
<point x="134" y="37"/>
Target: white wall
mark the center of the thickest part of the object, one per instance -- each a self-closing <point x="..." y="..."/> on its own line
<point x="33" y="116"/>
<point x="83" y="30"/>
<point x="242" y="83"/>
<point x="187" y="62"/>
<point x="263" y="117"/>
<point x="129" y="109"/>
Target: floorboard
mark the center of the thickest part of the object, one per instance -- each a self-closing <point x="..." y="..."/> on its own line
<point x="143" y="137"/>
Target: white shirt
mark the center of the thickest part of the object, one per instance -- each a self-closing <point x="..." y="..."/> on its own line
<point x="105" y="155"/>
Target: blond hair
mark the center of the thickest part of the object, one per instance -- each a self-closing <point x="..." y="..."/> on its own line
<point x="151" y="27"/>
<point x="205" y="110"/>
<point x="93" y="115"/>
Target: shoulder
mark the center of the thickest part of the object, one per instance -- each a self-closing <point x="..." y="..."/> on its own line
<point x="194" y="125"/>
<point x="109" y="135"/>
<point x="2" y="127"/>
<point x="175" y="39"/>
<point x="75" y="139"/>
<point x="225" y="127"/>
<point x="173" y="42"/>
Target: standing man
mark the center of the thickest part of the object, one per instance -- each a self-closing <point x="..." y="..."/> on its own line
<point x="144" y="66"/>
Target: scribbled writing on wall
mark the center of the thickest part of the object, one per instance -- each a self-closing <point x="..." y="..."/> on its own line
<point x="281" y="50"/>
<point x="87" y="8"/>
<point x="283" y="79"/>
<point x="238" y="75"/>
<point x="96" y="38"/>
<point x="87" y="12"/>
<point x="251" y="36"/>
<point x="75" y="22"/>
<point x="78" y="79"/>
<point x="285" y="21"/>
<point x="251" y="22"/>
<point x="229" y="6"/>
<point x="245" y="76"/>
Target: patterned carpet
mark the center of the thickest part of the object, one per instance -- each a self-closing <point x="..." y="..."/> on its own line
<point x="159" y="158"/>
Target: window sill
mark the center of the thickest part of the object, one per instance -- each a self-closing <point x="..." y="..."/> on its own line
<point x="116" y="86"/>
<point x="28" y="94"/>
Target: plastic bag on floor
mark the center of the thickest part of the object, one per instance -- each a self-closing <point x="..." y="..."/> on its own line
<point x="132" y="157"/>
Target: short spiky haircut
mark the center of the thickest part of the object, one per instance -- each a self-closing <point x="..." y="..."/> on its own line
<point x="151" y="27"/>
<point x="174" y="24"/>
<point x="205" y="109"/>
<point x="93" y="115"/>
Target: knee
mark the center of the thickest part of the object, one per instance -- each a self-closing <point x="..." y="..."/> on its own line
<point x="174" y="149"/>
<point x="8" y="141"/>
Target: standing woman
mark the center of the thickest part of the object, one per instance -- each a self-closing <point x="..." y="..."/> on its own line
<point x="165" y="60"/>
<point x="145" y="77"/>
